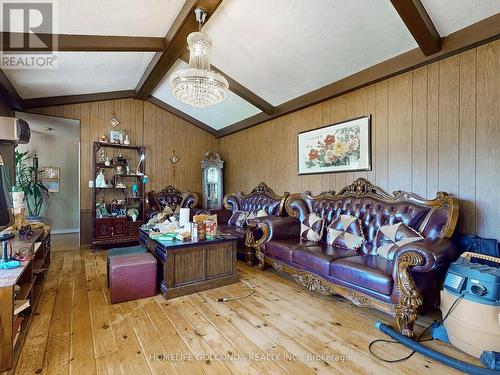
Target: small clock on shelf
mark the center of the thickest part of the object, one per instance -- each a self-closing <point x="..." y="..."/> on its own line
<point x="212" y="181"/>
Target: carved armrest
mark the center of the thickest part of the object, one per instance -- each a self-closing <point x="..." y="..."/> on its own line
<point x="420" y="256"/>
<point x="189" y="200"/>
<point x="277" y="228"/>
<point x="435" y="252"/>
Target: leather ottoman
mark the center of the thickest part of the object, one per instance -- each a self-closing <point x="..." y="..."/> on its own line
<point x="118" y="251"/>
<point x="132" y="277"/>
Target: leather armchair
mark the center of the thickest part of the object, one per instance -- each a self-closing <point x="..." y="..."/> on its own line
<point x="171" y="197"/>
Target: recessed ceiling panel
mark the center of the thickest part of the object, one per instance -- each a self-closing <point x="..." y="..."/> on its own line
<point x="449" y="16"/>
<point x="82" y="73"/>
<point x="219" y="116"/>
<point x="115" y="17"/>
<point x="282" y="49"/>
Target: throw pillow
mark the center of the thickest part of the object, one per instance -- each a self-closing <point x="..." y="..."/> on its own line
<point x="261" y="213"/>
<point x="345" y="232"/>
<point x="390" y="238"/>
<point x="311" y="228"/>
<point x="238" y="218"/>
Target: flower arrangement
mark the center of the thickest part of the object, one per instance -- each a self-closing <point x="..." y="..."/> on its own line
<point x="340" y="148"/>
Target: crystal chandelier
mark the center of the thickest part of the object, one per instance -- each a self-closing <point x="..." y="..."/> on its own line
<point x="198" y="85"/>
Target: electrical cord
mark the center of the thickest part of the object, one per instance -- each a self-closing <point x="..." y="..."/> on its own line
<point x="418" y="338"/>
<point x="227" y="299"/>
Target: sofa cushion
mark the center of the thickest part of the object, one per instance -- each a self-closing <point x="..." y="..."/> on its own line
<point x="346" y="232"/>
<point x="235" y="231"/>
<point x="390" y="238"/>
<point x="369" y="271"/>
<point x="281" y="249"/>
<point x="318" y="257"/>
<point x="311" y="228"/>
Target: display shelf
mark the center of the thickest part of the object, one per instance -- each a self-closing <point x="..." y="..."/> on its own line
<point x="111" y="230"/>
<point x="30" y="285"/>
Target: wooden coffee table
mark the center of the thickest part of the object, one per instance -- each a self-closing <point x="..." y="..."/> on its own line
<point x="189" y="267"/>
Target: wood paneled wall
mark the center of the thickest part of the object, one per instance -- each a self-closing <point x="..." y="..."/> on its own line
<point x="434" y="128"/>
<point x="160" y="131"/>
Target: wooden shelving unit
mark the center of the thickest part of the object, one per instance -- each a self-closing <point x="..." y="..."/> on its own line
<point x="21" y="283"/>
<point x="112" y="230"/>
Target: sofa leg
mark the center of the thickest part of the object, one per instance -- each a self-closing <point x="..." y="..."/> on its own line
<point x="250" y="258"/>
<point x="260" y="258"/>
<point x="409" y="297"/>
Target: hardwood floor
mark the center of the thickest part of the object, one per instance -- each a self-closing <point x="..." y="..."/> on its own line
<point x="281" y="328"/>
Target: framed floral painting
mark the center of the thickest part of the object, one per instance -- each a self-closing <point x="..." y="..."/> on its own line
<point x="341" y="147"/>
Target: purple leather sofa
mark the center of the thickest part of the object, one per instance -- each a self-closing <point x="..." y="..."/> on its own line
<point x="261" y="197"/>
<point x="169" y="196"/>
<point x="404" y="287"/>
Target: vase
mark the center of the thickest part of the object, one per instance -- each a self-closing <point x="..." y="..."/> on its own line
<point x="126" y="141"/>
<point x="134" y="217"/>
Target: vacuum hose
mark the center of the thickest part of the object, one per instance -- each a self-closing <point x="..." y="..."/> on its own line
<point x="449" y="361"/>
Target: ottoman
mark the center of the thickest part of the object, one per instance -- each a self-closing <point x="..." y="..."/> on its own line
<point x="132" y="277"/>
<point x="118" y="251"/>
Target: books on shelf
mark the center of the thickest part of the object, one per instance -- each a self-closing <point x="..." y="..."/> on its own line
<point x="20" y="305"/>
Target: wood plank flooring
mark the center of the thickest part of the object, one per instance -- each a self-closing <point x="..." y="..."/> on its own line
<point x="280" y="329"/>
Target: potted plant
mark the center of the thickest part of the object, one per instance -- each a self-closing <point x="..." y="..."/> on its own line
<point x="27" y="183"/>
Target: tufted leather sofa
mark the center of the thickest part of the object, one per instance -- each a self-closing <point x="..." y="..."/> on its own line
<point x="260" y="198"/>
<point x="171" y="197"/>
<point x="403" y="287"/>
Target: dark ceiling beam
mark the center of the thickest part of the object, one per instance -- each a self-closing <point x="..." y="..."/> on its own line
<point x="175" y="43"/>
<point x="420" y="25"/>
<point x="74" y="99"/>
<point x="239" y="89"/>
<point x="101" y="43"/>
<point x="9" y="94"/>
<point x="181" y="114"/>
<point x="472" y="36"/>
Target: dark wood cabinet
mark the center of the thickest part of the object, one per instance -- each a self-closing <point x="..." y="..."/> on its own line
<point x="118" y="228"/>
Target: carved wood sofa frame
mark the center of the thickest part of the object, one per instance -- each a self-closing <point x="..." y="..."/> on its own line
<point x="409" y="300"/>
<point x="187" y="199"/>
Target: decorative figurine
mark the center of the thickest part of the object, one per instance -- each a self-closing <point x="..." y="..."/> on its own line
<point x="107" y="162"/>
<point x="126" y="141"/>
<point x="103" y="138"/>
<point x="100" y="180"/>
<point x="134" y="189"/>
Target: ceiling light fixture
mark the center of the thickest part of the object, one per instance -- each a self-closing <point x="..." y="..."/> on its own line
<point x="198" y="85"/>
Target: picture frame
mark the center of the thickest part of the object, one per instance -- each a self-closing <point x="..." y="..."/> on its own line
<point x="341" y="147"/>
<point x="116" y="137"/>
<point x="53" y="186"/>
<point x="49" y="173"/>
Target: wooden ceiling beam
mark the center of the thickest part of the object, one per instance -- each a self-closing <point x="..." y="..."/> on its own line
<point x="9" y="94"/>
<point x="239" y="89"/>
<point x="101" y="43"/>
<point x="472" y="36"/>
<point x="420" y="25"/>
<point x="175" y="43"/>
<point x="74" y="99"/>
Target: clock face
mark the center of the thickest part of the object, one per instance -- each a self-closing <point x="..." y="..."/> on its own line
<point x="212" y="175"/>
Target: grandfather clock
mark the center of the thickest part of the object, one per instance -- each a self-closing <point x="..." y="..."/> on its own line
<point x="211" y="167"/>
